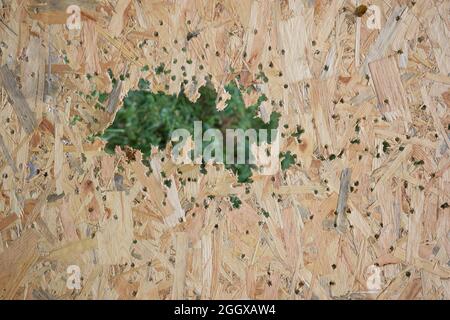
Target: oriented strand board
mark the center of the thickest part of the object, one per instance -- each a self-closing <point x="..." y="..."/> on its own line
<point x="364" y="111"/>
<point x="389" y="89"/>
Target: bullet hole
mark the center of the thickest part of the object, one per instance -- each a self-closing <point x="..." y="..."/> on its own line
<point x="216" y="226"/>
<point x="408" y="274"/>
<point x="332" y="283"/>
<point x="116" y="217"/>
<point x="134" y="241"/>
<point x="445" y="205"/>
<point x="283" y="52"/>
<point x="156" y="33"/>
<point x="333" y="266"/>
<point x="191" y="35"/>
<point x="313" y="42"/>
<point x="325" y="68"/>
<point x="285" y="86"/>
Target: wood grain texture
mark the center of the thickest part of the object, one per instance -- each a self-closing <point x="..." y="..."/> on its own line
<point x="365" y="112"/>
<point x="25" y="115"/>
